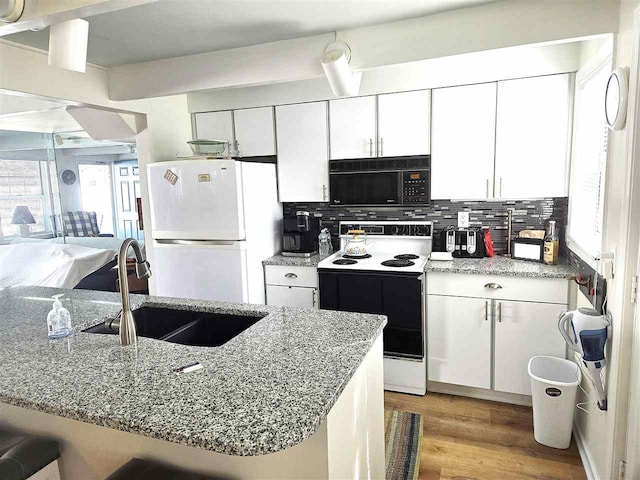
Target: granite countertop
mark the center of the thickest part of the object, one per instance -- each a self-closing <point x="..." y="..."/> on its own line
<point x="281" y="260"/>
<point x="502" y="266"/>
<point x="266" y="390"/>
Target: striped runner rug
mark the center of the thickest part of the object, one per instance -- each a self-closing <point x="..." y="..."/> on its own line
<point x="402" y="436"/>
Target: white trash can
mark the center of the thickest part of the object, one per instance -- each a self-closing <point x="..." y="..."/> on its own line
<point x="554" y="384"/>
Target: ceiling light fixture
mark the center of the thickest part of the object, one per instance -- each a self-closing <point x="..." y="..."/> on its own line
<point x="11" y="10"/>
<point x="68" y="45"/>
<point x="335" y="63"/>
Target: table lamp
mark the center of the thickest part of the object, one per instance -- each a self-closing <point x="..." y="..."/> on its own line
<point x="22" y="216"/>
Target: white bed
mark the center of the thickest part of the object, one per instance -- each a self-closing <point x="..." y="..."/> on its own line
<point x="49" y="264"/>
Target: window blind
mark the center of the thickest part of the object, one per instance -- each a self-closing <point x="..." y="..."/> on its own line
<point x="586" y="196"/>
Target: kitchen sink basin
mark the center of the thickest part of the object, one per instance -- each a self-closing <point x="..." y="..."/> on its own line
<point x="202" y="329"/>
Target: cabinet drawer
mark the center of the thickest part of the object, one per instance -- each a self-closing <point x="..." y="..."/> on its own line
<point x="545" y="290"/>
<point x="302" y="297"/>
<point x="291" y="276"/>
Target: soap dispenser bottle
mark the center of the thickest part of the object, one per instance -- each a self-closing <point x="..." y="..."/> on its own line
<point x="59" y="319"/>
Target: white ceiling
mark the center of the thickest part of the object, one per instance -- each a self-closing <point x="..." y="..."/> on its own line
<point x="171" y="28"/>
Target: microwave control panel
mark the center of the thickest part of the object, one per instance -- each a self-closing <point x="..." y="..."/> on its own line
<point x="415" y="187"/>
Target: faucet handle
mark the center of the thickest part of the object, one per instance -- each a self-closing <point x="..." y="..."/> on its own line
<point x="143" y="269"/>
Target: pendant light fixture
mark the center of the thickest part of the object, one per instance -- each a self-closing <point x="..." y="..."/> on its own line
<point x="335" y="64"/>
<point x="68" y="45"/>
<point x="11" y="10"/>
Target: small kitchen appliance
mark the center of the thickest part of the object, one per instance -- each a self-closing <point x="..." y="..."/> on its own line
<point x="389" y="280"/>
<point x="585" y="331"/>
<point x="300" y="236"/>
<point x="463" y="242"/>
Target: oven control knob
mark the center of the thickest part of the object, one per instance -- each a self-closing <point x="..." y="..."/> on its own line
<point x="395" y="230"/>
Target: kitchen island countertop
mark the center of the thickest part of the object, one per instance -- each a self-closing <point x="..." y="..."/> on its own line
<point x="499" y="265"/>
<point x="266" y="390"/>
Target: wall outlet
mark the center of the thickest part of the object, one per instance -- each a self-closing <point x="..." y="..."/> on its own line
<point x="463" y="219"/>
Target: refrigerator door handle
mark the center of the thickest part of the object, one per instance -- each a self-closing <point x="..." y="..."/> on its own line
<point x="195" y="242"/>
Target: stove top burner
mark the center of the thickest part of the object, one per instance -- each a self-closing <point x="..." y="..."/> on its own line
<point x="398" y="263"/>
<point x="356" y="257"/>
<point x="406" y="256"/>
<point x="344" y="261"/>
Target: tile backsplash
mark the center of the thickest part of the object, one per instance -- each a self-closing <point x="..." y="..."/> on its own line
<point x="527" y="214"/>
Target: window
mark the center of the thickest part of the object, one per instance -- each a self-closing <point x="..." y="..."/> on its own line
<point x="588" y="162"/>
<point x="24" y="182"/>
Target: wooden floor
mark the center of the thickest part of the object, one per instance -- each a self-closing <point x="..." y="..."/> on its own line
<point x="465" y="438"/>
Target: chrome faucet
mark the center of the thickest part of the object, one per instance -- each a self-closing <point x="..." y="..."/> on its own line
<point x="127" y="327"/>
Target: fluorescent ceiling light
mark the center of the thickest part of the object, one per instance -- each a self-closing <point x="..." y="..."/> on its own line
<point x="11" y="10"/>
<point x="335" y="63"/>
<point x="68" y="45"/>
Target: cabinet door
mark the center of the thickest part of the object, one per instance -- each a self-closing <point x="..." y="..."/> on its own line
<point x="214" y="126"/>
<point x="255" y="131"/>
<point x="523" y="330"/>
<point x="463" y="142"/>
<point x="404" y="124"/>
<point x="352" y="123"/>
<point x="292" y="296"/>
<point x="532" y="137"/>
<point x="459" y="340"/>
<point x="303" y="152"/>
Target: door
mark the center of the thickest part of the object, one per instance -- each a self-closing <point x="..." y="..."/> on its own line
<point x="197" y="200"/>
<point x="201" y="271"/>
<point x="463" y="142"/>
<point x="303" y="156"/>
<point x="126" y="178"/>
<point x="214" y="126"/>
<point x="255" y="132"/>
<point x="404" y="124"/>
<point x="532" y="137"/>
<point x="352" y="123"/>
<point x="523" y="330"/>
<point x="292" y="296"/>
<point x="96" y="193"/>
<point x="459" y="340"/>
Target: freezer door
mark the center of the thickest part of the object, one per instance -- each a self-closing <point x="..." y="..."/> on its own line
<point x="196" y="200"/>
<point x="207" y="271"/>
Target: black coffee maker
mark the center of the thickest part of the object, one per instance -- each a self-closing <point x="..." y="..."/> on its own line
<point x="300" y="238"/>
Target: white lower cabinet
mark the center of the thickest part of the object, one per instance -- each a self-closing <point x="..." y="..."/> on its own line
<point x="459" y="341"/>
<point x="477" y="339"/>
<point x="523" y="330"/>
<point x="291" y="286"/>
<point x="303" y="297"/>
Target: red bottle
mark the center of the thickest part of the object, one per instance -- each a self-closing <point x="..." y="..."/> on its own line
<point x="488" y="244"/>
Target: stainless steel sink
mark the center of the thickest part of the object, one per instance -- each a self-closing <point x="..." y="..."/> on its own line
<point x="202" y="329"/>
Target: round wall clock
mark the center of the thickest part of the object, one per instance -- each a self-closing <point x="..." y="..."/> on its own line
<point x="615" y="100"/>
<point x="68" y="177"/>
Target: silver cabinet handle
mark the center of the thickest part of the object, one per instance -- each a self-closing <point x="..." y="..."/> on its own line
<point x="487" y="188"/>
<point x="313" y="298"/>
<point x="324" y="192"/>
<point x="371" y="147"/>
<point x="486" y="311"/>
<point x="500" y="312"/>
<point x="381" y="147"/>
<point x="500" y="184"/>
<point x="494" y="286"/>
<point x="291" y="275"/>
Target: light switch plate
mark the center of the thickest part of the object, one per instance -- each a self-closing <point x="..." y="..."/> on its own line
<point x="463" y="219"/>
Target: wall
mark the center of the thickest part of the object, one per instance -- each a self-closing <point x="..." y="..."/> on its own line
<point x="527" y="214"/>
<point x="500" y="64"/>
<point x="602" y="433"/>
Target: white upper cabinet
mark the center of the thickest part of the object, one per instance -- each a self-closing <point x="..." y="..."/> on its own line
<point x="533" y="121"/>
<point x="352" y="124"/>
<point x="403" y="124"/>
<point x="463" y="142"/>
<point x="303" y="155"/>
<point x="214" y="126"/>
<point x="255" y="131"/>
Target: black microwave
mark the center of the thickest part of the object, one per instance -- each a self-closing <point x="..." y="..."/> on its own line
<point x="378" y="182"/>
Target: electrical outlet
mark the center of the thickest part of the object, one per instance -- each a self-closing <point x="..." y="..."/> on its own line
<point x="463" y="219"/>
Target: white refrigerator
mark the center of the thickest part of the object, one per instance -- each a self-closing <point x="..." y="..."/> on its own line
<point x="213" y="222"/>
